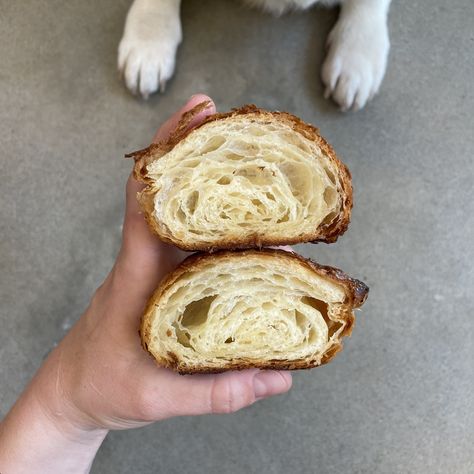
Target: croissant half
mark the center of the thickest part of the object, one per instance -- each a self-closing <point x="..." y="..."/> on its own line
<point x="268" y="309"/>
<point x="247" y="178"/>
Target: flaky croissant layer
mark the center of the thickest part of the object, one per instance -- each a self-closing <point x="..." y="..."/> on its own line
<point x="254" y="308"/>
<point x="243" y="179"/>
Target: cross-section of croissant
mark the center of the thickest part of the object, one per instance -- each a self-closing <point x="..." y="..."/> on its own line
<point x="253" y="308"/>
<point x="247" y="178"/>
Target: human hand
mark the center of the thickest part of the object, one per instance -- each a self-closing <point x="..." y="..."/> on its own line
<point x="99" y="377"/>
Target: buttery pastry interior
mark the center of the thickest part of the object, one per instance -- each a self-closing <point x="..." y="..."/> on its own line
<point x="254" y="308"/>
<point x="240" y="178"/>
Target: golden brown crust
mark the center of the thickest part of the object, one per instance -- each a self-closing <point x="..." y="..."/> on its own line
<point x="327" y="233"/>
<point x="355" y="290"/>
<point x="156" y="150"/>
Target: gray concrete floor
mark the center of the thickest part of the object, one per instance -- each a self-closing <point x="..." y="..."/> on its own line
<point x="399" y="399"/>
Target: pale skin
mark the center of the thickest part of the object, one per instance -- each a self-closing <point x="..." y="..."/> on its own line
<point x="99" y="378"/>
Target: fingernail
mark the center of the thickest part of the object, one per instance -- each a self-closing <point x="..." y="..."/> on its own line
<point x="196" y="95"/>
<point x="267" y="383"/>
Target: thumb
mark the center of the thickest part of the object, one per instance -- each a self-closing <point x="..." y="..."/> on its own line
<point x="218" y="393"/>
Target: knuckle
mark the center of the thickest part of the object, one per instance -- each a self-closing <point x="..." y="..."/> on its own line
<point x="146" y="405"/>
<point x="229" y="395"/>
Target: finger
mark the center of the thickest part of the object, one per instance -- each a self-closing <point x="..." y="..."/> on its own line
<point x="221" y="393"/>
<point x="286" y="248"/>
<point x="143" y="256"/>
<point x="165" y="130"/>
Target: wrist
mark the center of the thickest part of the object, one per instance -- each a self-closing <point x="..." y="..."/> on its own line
<point x="42" y="433"/>
<point x="57" y="413"/>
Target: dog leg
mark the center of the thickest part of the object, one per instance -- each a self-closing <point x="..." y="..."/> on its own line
<point x="147" y="52"/>
<point x="358" y="47"/>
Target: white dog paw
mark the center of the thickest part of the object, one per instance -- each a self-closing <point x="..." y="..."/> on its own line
<point x="146" y="64"/>
<point x="355" y="64"/>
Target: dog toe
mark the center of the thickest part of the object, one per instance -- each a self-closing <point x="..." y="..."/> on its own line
<point x="355" y="64"/>
<point x="146" y="66"/>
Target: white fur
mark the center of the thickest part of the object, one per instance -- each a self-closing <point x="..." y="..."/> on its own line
<point x="358" y="47"/>
<point x="147" y="51"/>
<point x="277" y="7"/>
<point x="352" y="71"/>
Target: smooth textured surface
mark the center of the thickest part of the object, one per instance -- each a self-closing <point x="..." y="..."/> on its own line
<point x="399" y="398"/>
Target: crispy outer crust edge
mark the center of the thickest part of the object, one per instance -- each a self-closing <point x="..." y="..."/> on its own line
<point x="356" y="294"/>
<point x="327" y="233"/>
